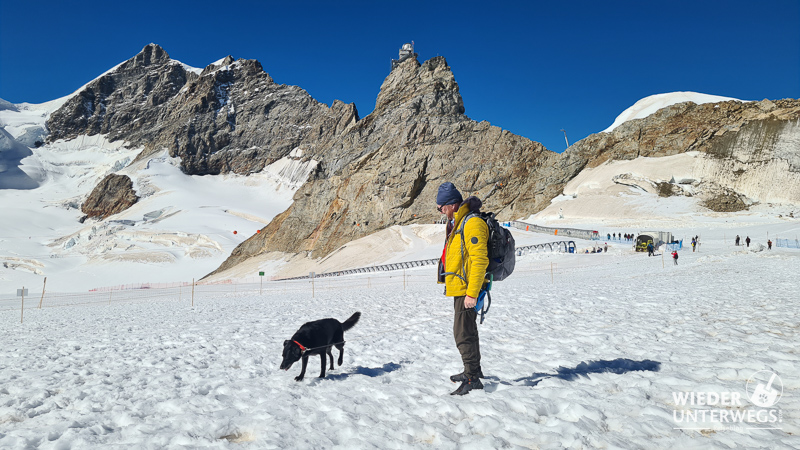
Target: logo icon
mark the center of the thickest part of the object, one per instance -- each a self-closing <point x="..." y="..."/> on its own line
<point x="764" y="394"/>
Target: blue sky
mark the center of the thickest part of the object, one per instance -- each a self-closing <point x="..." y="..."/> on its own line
<point x="532" y="68"/>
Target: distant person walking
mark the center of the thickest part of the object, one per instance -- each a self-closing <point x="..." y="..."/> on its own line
<point x="694" y="243"/>
<point x="769" y="244"/>
<point x="747" y="240"/>
<point x="650" y="249"/>
<point x="737" y="240"/>
<point x="675" y="257"/>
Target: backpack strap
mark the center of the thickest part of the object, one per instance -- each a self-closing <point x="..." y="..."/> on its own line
<point x="460" y="231"/>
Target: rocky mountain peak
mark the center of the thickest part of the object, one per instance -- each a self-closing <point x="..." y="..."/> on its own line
<point x="422" y="89"/>
<point x="112" y="103"/>
<point x="231" y="118"/>
<point x="150" y="54"/>
<point x="216" y="66"/>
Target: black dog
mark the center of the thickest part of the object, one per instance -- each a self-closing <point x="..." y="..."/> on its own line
<point x="317" y="338"/>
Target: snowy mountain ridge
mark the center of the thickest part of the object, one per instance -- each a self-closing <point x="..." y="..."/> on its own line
<point x="649" y="105"/>
<point x="192" y="223"/>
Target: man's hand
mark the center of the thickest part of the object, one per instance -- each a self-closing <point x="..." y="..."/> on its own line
<point x="470" y="302"/>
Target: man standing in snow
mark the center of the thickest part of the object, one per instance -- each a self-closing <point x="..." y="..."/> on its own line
<point x="462" y="269"/>
<point x="747" y="241"/>
<point x="675" y="257"/>
<point x="737" y="240"/>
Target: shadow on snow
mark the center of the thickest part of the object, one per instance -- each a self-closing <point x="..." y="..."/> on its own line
<point x="584" y="369"/>
<point x="368" y="371"/>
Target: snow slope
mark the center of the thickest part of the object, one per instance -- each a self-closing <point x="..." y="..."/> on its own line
<point x="595" y="355"/>
<point x="653" y="103"/>
<point x="182" y="228"/>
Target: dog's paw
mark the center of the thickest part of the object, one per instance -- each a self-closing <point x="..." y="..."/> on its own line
<point x="298" y="378"/>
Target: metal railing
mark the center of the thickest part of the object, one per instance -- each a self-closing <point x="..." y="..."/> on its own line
<point x="559" y="246"/>
<point x="787" y="243"/>
<point x="570" y="232"/>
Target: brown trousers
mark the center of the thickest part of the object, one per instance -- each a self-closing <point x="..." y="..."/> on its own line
<point x="465" y="332"/>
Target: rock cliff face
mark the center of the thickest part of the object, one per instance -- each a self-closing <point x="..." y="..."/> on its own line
<point x="112" y="195"/>
<point x="425" y="139"/>
<point x="390" y="164"/>
<point x="751" y="149"/>
<point x="231" y="117"/>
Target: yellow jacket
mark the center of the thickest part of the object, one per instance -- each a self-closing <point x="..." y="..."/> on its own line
<point x="465" y="268"/>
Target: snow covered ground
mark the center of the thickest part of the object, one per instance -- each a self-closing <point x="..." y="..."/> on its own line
<point x="594" y="355"/>
<point x="580" y="350"/>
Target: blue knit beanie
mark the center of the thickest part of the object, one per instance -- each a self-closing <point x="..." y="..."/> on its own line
<point x="448" y="195"/>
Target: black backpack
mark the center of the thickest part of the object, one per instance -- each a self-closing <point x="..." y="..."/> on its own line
<point x="501" y="246"/>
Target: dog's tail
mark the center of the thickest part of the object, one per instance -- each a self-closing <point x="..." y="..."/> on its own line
<point x="347" y="324"/>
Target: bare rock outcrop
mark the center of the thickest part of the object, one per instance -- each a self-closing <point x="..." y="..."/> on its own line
<point x="390" y="164"/>
<point x="112" y="195"/>
<point x="407" y="147"/>
<point x="751" y="149"/>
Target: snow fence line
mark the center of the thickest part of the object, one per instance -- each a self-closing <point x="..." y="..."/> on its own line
<point x="569" y="232"/>
<point x="559" y="246"/>
<point x="787" y="243"/>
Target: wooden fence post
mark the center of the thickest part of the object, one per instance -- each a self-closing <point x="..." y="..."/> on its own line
<point x="192" y="292"/>
<point x="22" y="314"/>
<point x="42" y="299"/>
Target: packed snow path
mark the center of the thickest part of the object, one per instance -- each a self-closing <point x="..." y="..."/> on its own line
<point x="590" y="360"/>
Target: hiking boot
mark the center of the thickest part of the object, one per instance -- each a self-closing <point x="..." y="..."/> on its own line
<point x="468" y="385"/>
<point x="460" y="377"/>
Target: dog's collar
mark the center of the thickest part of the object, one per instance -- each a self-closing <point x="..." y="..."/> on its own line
<point x="302" y="349"/>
